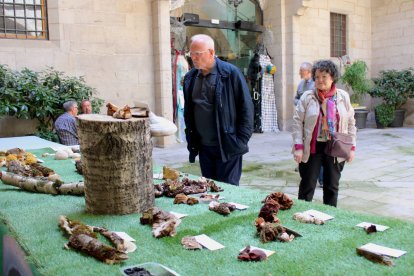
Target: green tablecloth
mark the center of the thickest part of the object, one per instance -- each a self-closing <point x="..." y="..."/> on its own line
<point x="326" y="249"/>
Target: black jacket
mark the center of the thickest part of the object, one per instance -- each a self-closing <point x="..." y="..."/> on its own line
<point x="233" y="109"/>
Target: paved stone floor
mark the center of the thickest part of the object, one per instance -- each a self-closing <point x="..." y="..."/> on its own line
<point x="380" y="181"/>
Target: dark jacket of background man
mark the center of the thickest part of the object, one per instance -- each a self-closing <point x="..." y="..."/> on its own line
<point x="233" y="112"/>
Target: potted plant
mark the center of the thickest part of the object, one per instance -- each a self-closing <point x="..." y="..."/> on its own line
<point x="355" y="79"/>
<point x="395" y="87"/>
<point x="384" y="115"/>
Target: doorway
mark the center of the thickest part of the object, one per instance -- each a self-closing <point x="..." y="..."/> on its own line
<point x="234" y="25"/>
<point x="236" y="28"/>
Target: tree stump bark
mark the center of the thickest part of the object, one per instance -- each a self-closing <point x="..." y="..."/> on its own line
<point x="117" y="164"/>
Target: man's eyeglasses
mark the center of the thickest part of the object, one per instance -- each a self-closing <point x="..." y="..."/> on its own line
<point x="198" y="53"/>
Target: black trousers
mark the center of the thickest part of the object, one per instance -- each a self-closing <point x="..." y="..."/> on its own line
<point x="309" y="173"/>
<point x="214" y="168"/>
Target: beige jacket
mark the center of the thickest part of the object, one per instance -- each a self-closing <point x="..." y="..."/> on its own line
<point x="306" y="116"/>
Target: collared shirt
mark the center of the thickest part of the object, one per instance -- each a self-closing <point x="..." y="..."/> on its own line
<point x="203" y="97"/>
<point x="65" y="127"/>
<point x="308" y="85"/>
<point x="304" y="85"/>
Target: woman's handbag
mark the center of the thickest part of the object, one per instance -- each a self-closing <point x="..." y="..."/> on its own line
<point x="339" y="146"/>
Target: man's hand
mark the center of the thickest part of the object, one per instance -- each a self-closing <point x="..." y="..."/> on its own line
<point x="297" y="156"/>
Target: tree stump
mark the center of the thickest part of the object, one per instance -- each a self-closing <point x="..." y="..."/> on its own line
<point x="117" y="164"/>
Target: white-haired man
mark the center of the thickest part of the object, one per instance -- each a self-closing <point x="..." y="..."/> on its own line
<point x="218" y="113"/>
<point x="307" y="83"/>
<point x="65" y="124"/>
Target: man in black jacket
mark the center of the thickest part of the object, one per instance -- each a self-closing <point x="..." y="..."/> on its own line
<point x="218" y="113"/>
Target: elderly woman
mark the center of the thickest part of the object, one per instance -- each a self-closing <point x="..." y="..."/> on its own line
<point x="320" y="112"/>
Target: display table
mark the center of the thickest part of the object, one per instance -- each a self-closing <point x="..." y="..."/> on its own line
<point x="323" y="249"/>
<point x="27" y="142"/>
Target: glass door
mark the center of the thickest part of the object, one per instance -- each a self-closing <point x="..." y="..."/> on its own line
<point x="221" y="20"/>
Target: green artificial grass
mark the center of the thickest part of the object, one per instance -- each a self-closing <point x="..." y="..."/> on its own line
<point x="327" y="249"/>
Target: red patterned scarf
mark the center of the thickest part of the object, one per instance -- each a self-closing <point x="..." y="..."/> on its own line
<point x="328" y="116"/>
<point x="328" y="107"/>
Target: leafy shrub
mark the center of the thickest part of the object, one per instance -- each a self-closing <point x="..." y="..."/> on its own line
<point x="384" y="114"/>
<point x="9" y="96"/>
<point x="33" y="95"/>
<point x="394" y="87"/>
<point x="355" y="77"/>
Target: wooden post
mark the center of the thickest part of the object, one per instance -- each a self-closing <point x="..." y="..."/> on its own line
<point x="117" y="164"/>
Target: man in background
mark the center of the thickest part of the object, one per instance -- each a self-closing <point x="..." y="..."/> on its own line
<point x="86" y="107"/>
<point x="65" y="124"/>
<point x="218" y="113"/>
<point x="306" y="82"/>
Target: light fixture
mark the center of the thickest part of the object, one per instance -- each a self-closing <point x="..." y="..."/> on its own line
<point x="235" y="3"/>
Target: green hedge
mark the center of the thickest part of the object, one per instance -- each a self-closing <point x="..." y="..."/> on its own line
<point x="27" y="94"/>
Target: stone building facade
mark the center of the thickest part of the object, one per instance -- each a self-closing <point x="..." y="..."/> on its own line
<point x="379" y="32"/>
<point x="120" y="47"/>
<point x="123" y="47"/>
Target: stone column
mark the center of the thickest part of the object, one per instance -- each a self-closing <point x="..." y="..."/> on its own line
<point x="162" y="62"/>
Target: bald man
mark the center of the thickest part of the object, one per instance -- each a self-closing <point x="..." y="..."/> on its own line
<point x="86" y="107"/>
<point x="218" y="113"/>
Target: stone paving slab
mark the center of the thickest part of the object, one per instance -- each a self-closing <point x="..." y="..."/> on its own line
<point x="360" y="205"/>
<point x="394" y="210"/>
<point x="393" y="184"/>
<point x="404" y="199"/>
<point x="402" y="193"/>
<point x="389" y="178"/>
<point x="367" y="195"/>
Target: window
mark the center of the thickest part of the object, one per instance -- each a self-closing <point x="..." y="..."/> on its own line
<point x="24" y="19"/>
<point x="338" y="35"/>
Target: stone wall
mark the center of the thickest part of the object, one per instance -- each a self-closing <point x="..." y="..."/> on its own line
<point x="392" y="40"/>
<point x="392" y="34"/>
<point x="315" y="32"/>
<point x="122" y="47"/>
<point x="314" y="29"/>
<point x="11" y="127"/>
<point x="106" y="41"/>
<point x="114" y="44"/>
<point x="301" y="30"/>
